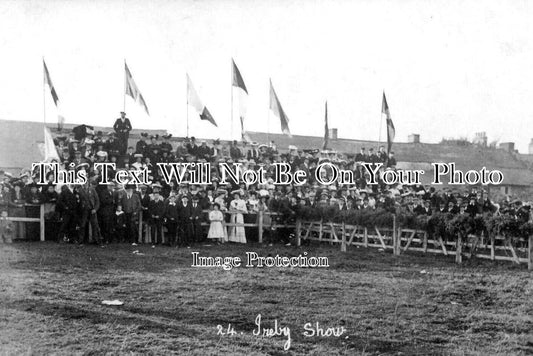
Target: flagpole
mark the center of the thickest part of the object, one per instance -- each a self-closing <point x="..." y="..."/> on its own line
<point x="124" y="92"/>
<point x="44" y="95"/>
<point x="380" y="120"/>
<point x="268" y="117"/>
<point x="187" y="105"/>
<point x="231" y="90"/>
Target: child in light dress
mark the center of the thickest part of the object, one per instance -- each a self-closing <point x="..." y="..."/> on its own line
<point x="216" y="228"/>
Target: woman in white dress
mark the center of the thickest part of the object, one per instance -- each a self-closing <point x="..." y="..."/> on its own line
<point x="237" y="208"/>
<point x="216" y="228"/>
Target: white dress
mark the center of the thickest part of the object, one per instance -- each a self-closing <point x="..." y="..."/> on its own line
<point x="216" y="228"/>
<point x="236" y="234"/>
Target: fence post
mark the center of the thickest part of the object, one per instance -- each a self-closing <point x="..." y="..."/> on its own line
<point x="458" y="250"/>
<point x="366" y="237"/>
<point x="260" y="226"/>
<point x="492" y="251"/>
<point x="530" y="254"/>
<point x="140" y="228"/>
<point x="320" y="231"/>
<point x="298" y="232"/>
<point x="41" y="223"/>
<point x="395" y="247"/>
<point x="343" y="240"/>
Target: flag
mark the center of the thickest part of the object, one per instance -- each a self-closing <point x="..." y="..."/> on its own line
<point x="242" y="96"/>
<point x="326" y="130"/>
<point x="276" y="108"/>
<point x="48" y="81"/>
<point x="50" y="151"/>
<point x="390" y="126"/>
<point x="237" y="78"/>
<point x="244" y="135"/>
<point x="133" y="91"/>
<point x="194" y="100"/>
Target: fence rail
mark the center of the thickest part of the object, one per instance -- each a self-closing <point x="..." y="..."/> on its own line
<point x="22" y="220"/>
<point x="144" y="233"/>
<point x="397" y="239"/>
<point x="401" y="240"/>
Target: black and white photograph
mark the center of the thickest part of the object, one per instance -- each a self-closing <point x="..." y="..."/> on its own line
<point x="245" y="177"/>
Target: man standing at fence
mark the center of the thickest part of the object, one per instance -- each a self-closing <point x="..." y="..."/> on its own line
<point x="196" y="219"/>
<point x="184" y="221"/>
<point x="122" y="128"/>
<point x="131" y="204"/>
<point x="106" y="212"/>
<point x="67" y="206"/>
<point x="89" y="205"/>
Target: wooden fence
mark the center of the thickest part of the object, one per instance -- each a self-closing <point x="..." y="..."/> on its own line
<point x="394" y="238"/>
<point x="145" y="233"/>
<point x="21" y="221"/>
<point x="401" y="240"/>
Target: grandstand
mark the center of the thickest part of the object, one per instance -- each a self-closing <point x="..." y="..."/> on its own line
<point x="21" y="142"/>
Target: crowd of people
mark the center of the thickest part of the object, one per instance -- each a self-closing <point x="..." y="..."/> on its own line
<point x="106" y="213"/>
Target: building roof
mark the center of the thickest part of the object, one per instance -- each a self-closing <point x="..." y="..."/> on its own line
<point x="414" y="155"/>
<point x="21" y="142"/>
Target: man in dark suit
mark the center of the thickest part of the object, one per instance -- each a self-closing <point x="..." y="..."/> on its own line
<point x="391" y="161"/>
<point x="131" y="205"/>
<point x="141" y="145"/>
<point x="473" y="207"/>
<point x="89" y="205"/>
<point x="113" y="146"/>
<point x="192" y="147"/>
<point x="253" y="153"/>
<point x="382" y="155"/>
<point x="106" y="211"/>
<point x="361" y="156"/>
<point x="67" y="206"/>
<point x="166" y="145"/>
<point x="171" y="218"/>
<point x="196" y="216"/>
<point x="234" y="151"/>
<point x="184" y="221"/>
<point x="122" y="128"/>
<point x="372" y="157"/>
<point x="156" y="210"/>
<point x="203" y="151"/>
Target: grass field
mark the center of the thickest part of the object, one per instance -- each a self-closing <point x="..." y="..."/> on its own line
<point x="51" y="302"/>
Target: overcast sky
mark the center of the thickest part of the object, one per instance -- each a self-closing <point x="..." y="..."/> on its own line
<point x="449" y="68"/>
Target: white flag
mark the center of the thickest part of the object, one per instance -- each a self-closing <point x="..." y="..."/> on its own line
<point x="194" y="100"/>
<point x="50" y="151"/>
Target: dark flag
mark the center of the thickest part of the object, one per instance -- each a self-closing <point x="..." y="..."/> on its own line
<point x="390" y="126"/>
<point x="276" y="108"/>
<point x="237" y="78"/>
<point x="132" y="89"/>
<point x="326" y="130"/>
<point x="48" y="81"/>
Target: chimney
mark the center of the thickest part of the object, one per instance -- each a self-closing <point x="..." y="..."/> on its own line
<point x="530" y="151"/>
<point x="333" y="134"/>
<point x="507" y="146"/>
<point x="480" y="139"/>
<point x="413" y="138"/>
